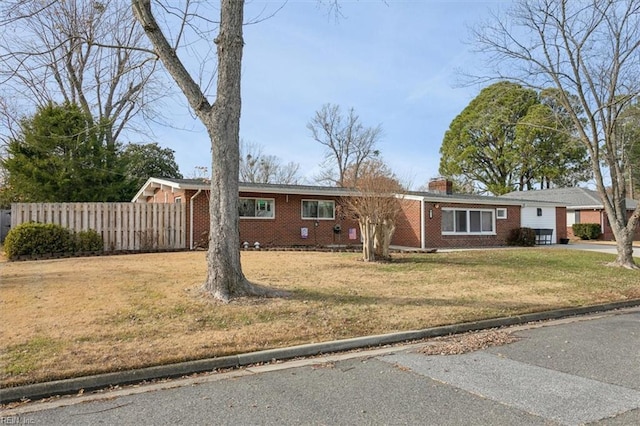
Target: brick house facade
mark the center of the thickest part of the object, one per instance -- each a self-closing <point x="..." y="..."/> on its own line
<point x="298" y="215"/>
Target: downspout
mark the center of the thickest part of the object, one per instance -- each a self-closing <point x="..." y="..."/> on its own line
<point x="191" y="218"/>
<point x="423" y="233"/>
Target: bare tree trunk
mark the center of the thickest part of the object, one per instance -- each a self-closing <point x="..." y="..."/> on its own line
<point x="224" y="275"/>
<point x="624" y="241"/>
<point x="588" y="51"/>
<point x="225" y="279"/>
<point x="367" y="232"/>
<point x="386" y="233"/>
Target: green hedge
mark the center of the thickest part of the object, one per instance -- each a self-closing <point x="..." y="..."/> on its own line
<point x="525" y="237"/>
<point x="29" y="239"/>
<point x="587" y="231"/>
<point x="88" y="241"/>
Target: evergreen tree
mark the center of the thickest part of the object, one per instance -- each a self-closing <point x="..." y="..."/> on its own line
<point x="59" y="157"/>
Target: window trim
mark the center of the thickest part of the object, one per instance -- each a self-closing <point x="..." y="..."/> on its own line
<point x="317" y="200"/>
<point x="177" y="200"/>
<point x="501" y="210"/>
<point x="273" y="208"/>
<point x="468" y="221"/>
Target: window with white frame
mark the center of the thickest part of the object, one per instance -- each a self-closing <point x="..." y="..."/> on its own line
<point x="471" y="221"/>
<point x="318" y="209"/>
<point x="501" y="213"/>
<point x="259" y="208"/>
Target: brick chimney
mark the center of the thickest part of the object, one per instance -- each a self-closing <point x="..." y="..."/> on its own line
<point x="441" y="186"/>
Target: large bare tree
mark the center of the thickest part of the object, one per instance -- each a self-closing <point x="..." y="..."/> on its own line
<point x="82" y="52"/>
<point x="586" y="49"/>
<point x="348" y="143"/>
<point x="221" y="118"/>
<point x="257" y="167"/>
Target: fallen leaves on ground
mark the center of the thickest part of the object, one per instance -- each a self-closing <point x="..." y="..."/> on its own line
<point x="468" y="342"/>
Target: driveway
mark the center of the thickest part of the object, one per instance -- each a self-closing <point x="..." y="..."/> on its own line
<point x="582" y="370"/>
<point x="603" y="247"/>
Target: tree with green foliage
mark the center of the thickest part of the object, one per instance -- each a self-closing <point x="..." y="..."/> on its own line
<point x="510" y="137"/>
<point x="142" y="161"/>
<point x="551" y="153"/>
<point x="628" y="130"/>
<point x="481" y="143"/>
<point x="58" y="156"/>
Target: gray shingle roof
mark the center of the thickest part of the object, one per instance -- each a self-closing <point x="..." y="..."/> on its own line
<point x="572" y="197"/>
<point x="195" y="184"/>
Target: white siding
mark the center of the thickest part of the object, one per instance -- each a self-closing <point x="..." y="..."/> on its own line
<point x="571" y="218"/>
<point x="529" y="218"/>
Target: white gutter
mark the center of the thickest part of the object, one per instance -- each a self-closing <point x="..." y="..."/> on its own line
<point x="423" y="233"/>
<point x="191" y="218"/>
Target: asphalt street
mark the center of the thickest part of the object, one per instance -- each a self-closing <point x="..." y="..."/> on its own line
<point x="580" y="370"/>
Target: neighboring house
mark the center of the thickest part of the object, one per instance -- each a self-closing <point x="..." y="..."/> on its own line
<point x="583" y="206"/>
<point x="300" y="215"/>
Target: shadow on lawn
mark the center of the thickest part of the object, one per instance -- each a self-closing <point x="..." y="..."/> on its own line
<point x="510" y="306"/>
<point x="516" y="259"/>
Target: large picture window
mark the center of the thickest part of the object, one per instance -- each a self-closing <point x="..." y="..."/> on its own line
<point x="318" y="209"/>
<point x="256" y="208"/>
<point x="456" y="221"/>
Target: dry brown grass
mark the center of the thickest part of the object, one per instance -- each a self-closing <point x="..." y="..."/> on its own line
<point x="69" y="317"/>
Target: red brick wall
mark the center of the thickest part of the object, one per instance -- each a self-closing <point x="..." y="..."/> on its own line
<point x="285" y="228"/>
<point x="200" y="216"/>
<point x="561" y="223"/>
<point x="435" y="239"/>
<point x="595" y="216"/>
<point x="407" y="231"/>
<point x="608" y="232"/>
<point x="441" y="186"/>
<point x="165" y="196"/>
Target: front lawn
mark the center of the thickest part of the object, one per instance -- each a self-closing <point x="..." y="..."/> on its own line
<point x="70" y="317"/>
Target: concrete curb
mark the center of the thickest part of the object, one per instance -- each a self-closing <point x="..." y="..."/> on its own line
<point x="100" y="381"/>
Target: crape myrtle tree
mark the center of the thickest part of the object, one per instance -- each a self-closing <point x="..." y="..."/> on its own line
<point x="510" y="137"/>
<point x="221" y="118"/>
<point x="375" y="206"/>
<point x="348" y="143"/>
<point x="587" y="50"/>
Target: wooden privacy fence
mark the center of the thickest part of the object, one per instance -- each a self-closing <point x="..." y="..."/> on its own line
<point x="123" y="226"/>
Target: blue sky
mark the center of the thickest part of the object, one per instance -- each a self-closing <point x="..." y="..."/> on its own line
<point x="396" y="63"/>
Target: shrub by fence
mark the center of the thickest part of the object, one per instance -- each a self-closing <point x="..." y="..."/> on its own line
<point x="33" y="239"/>
<point x="122" y="226"/>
